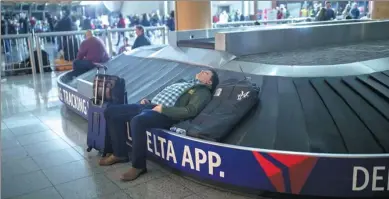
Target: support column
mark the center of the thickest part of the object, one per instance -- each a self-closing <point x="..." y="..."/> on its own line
<point x="379" y="9"/>
<point x="192" y="15"/>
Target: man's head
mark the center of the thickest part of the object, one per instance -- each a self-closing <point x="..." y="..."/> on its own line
<point x="328" y="4"/>
<point x="88" y="34"/>
<point x="139" y="30"/>
<point x="66" y="11"/>
<point x="208" y="77"/>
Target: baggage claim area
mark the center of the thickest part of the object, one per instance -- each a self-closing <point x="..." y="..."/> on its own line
<point x="215" y="99"/>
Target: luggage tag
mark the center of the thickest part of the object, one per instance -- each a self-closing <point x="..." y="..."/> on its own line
<point x="218" y="92"/>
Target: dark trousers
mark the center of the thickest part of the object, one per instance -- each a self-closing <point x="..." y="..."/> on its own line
<point x="80" y="67"/>
<point x="141" y="118"/>
<point x="120" y="34"/>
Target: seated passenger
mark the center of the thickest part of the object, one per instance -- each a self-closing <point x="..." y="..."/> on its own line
<point x="141" y="39"/>
<point x="92" y="50"/>
<point x="125" y="46"/>
<point x="179" y="101"/>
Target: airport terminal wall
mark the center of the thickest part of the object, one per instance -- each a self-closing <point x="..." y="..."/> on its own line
<point x="326" y="114"/>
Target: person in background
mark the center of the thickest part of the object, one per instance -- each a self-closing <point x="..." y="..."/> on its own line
<point x="24" y="25"/>
<point x="125" y="46"/>
<point x="346" y="12"/>
<point x="5" y="43"/>
<point x="355" y="11"/>
<point x="330" y="13"/>
<point x="176" y="102"/>
<point x="145" y="21"/>
<point x="121" y="24"/>
<point x="64" y="24"/>
<point x="321" y="15"/>
<point x="50" y="21"/>
<point x="141" y="39"/>
<point x="32" y="23"/>
<point x="92" y="50"/>
<point x="170" y="22"/>
<point x="86" y="23"/>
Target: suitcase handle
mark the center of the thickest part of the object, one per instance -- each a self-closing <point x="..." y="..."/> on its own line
<point x="98" y="66"/>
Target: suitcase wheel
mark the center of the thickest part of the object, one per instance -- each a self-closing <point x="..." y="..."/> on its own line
<point x="89" y="149"/>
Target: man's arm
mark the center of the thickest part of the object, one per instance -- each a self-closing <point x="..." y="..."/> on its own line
<point x="197" y="103"/>
<point x="333" y="15"/>
<point x="82" y="51"/>
<point x="136" y="43"/>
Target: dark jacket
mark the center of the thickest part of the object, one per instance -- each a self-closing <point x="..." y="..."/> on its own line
<point x="65" y="24"/>
<point x="330" y="14"/>
<point x="355" y="13"/>
<point x="171" y="24"/>
<point x="141" y="40"/>
<point x="189" y="104"/>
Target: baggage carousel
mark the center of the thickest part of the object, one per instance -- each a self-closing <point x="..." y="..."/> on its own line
<point x="319" y="130"/>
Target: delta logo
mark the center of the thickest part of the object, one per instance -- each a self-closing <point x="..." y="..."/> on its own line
<point x="287" y="173"/>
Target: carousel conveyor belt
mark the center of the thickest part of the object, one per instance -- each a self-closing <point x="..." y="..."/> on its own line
<point x="207" y="43"/>
<point x="329" y="115"/>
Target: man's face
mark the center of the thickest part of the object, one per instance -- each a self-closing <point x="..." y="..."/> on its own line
<point x="328" y="5"/>
<point x="204" y="76"/>
<point x="138" y="32"/>
<point x="88" y="34"/>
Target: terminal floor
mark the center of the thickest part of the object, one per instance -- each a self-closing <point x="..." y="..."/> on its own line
<point x="43" y="154"/>
<point x="325" y="55"/>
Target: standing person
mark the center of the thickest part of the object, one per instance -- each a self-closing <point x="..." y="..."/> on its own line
<point x="50" y="21"/>
<point x="121" y="24"/>
<point x="24" y="27"/>
<point x="330" y="13"/>
<point x="86" y="23"/>
<point x="170" y="22"/>
<point x="5" y="43"/>
<point x="355" y="11"/>
<point x="64" y="24"/>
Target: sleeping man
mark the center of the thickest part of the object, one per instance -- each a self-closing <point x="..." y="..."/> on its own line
<point x="179" y="101"/>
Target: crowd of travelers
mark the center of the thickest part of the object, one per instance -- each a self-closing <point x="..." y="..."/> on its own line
<point x="316" y="11"/>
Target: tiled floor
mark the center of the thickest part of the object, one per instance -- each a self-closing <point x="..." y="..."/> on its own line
<point x="44" y="157"/>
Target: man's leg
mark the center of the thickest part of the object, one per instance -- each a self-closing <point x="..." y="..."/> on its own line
<point x="80" y="67"/>
<point x="83" y="65"/>
<point x="146" y="120"/>
<point x="116" y="117"/>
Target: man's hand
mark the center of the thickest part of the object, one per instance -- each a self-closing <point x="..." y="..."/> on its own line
<point x="158" y="108"/>
<point x="144" y="101"/>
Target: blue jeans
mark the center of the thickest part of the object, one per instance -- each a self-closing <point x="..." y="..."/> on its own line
<point x="141" y="118"/>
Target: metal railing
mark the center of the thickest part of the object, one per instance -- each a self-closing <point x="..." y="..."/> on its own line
<point x="262" y="22"/>
<point x="19" y="50"/>
<point x="16" y="51"/>
<point x="28" y="53"/>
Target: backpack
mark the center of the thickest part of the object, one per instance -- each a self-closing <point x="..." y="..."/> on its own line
<point x="232" y="100"/>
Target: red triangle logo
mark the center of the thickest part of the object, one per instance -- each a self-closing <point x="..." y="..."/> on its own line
<point x="272" y="172"/>
<point x="299" y="166"/>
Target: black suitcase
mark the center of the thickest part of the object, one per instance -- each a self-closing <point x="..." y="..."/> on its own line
<point x="230" y="103"/>
<point x="97" y="136"/>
